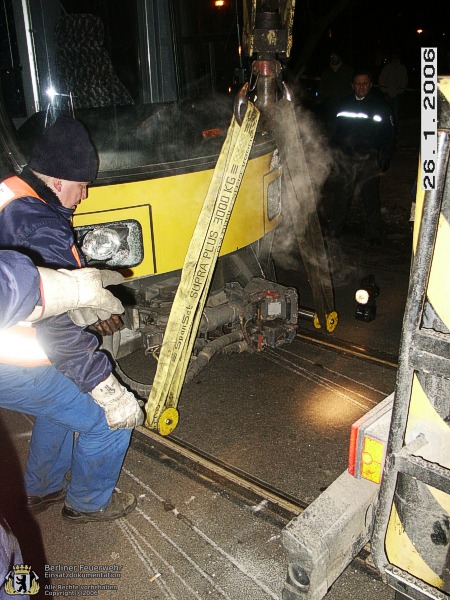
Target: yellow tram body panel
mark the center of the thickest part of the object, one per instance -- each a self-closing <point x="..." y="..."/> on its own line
<point x="167" y="209"/>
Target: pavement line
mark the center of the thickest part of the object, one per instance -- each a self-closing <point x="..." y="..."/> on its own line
<point x="316" y="379"/>
<point x="132" y="534"/>
<point x="245" y="482"/>
<point x="196" y="566"/>
<point x="312" y="362"/>
<point x="344" y="347"/>
<point x="320" y="378"/>
<point x="201" y="534"/>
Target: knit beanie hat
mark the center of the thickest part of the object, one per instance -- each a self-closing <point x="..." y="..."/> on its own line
<point x="65" y="151"/>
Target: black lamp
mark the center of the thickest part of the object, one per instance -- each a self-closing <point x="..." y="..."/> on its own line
<point x="366" y="308"/>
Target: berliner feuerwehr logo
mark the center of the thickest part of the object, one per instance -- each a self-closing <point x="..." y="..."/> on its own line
<point x="21" y="580"/>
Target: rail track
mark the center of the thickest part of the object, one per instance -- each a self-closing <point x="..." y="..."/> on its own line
<point x="349" y="348"/>
<point x="279" y="505"/>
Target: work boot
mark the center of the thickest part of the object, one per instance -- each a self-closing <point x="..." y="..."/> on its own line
<point x="37" y="504"/>
<point x="120" y="505"/>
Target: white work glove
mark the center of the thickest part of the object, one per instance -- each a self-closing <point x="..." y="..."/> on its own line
<point x="81" y="293"/>
<point x="121" y="408"/>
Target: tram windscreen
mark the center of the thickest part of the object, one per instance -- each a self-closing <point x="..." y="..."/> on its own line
<point x="147" y="77"/>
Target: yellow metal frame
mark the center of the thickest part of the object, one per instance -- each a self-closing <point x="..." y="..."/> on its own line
<point x="428" y="562"/>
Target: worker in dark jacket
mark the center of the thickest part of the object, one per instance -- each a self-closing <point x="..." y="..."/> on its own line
<point x="35" y="220"/>
<point x="363" y="134"/>
<point x="68" y="384"/>
<point x="31" y="293"/>
<point x="335" y="84"/>
<point x="19" y="287"/>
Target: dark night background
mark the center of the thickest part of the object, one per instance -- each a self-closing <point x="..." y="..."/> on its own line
<point x="363" y="33"/>
<point x="369" y="32"/>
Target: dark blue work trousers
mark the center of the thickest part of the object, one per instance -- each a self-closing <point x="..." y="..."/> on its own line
<point x="362" y="175"/>
<point x="94" y="457"/>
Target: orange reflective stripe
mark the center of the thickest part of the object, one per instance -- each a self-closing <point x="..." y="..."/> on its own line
<point x="19" y="187"/>
<point x="76" y="255"/>
<point x="19" y="346"/>
<point x="12" y="188"/>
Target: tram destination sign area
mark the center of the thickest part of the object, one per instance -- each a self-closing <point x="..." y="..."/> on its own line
<point x="428" y="143"/>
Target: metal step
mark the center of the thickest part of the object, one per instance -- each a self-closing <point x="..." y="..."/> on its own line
<point x="428" y="472"/>
<point x="403" y="581"/>
<point x="430" y="352"/>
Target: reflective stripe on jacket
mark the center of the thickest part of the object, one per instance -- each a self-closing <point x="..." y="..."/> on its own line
<point x="14" y="188"/>
<point x="19" y="346"/>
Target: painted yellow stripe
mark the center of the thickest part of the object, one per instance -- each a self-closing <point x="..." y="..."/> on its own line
<point x="402" y="553"/>
<point x="439" y="282"/>
<point x="423" y="418"/>
<point x="444" y="87"/>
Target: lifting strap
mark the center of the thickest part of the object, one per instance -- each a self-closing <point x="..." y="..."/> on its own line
<point x="300" y="202"/>
<point x="196" y="276"/>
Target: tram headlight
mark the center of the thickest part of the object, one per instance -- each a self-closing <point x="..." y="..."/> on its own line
<point x="115" y="244"/>
<point x="101" y="244"/>
<point x="366" y="308"/>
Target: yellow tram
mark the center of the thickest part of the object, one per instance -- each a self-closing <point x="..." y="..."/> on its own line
<point x="154" y="86"/>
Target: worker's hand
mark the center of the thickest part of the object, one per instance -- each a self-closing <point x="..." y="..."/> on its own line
<point x="81" y="293"/>
<point x="122" y="410"/>
<point x="108" y="326"/>
<point x="85" y="317"/>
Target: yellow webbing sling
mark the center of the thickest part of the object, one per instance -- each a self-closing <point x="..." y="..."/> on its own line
<point x="196" y="276"/>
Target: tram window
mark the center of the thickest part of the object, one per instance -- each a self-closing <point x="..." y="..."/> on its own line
<point x="117" y="17"/>
<point x="83" y="66"/>
<point x="10" y="70"/>
<point x="173" y="58"/>
<point x="209" y="43"/>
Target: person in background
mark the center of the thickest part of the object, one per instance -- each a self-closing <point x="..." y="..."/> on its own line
<point x="65" y="381"/>
<point x="363" y="138"/>
<point x="335" y="83"/>
<point x="393" y="81"/>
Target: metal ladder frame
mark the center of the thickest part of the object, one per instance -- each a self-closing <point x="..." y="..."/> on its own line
<point x="421" y="350"/>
